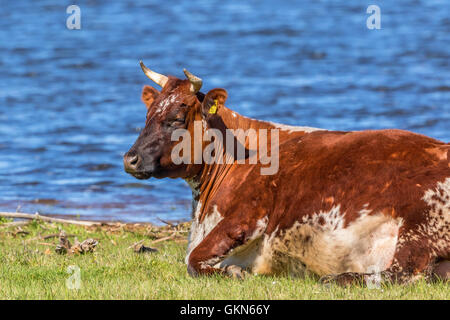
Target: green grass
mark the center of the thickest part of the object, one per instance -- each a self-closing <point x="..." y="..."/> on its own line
<point x="30" y="270"/>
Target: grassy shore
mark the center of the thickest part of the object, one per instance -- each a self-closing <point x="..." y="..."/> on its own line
<point x="31" y="269"/>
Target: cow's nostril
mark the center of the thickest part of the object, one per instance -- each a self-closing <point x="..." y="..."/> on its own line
<point x="134" y="160"/>
<point x="131" y="161"/>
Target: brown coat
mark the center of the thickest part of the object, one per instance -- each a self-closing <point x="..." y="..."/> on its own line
<point x="348" y="204"/>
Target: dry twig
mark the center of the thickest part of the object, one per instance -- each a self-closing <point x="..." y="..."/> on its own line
<point x="37" y="216"/>
<point x="139" y="247"/>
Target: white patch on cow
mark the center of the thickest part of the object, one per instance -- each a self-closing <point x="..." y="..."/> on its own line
<point x="166" y="102"/>
<point x="261" y="226"/>
<point x="245" y="255"/>
<point x="436" y="228"/>
<point x="199" y="230"/>
<point x="290" y="129"/>
<point x="322" y="244"/>
<point x="234" y="114"/>
<point x="263" y="262"/>
<point x="331" y="220"/>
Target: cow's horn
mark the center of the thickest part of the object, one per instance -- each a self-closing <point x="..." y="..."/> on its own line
<point x="196" y="82"/>
<point x="156" y="77"/>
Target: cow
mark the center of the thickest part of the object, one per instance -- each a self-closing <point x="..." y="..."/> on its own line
<point x="345" y="207"/>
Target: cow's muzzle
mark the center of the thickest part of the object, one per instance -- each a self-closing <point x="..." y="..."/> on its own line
<point x="132" y="163"/>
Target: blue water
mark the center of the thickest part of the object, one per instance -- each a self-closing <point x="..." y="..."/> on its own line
<point x="70" y="99"/>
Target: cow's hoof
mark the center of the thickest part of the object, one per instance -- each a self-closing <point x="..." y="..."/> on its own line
<point x="343" y="279"/>
<point x="236" y="272"/>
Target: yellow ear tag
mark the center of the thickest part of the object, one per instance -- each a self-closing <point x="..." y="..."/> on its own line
<point x="213" y="108"/>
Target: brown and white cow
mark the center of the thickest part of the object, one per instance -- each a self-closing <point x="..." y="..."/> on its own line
<point x="346" y="206"/>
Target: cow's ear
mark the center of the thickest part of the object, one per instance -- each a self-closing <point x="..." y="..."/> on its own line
<point x="213" y="101"/>
<point x="149" y="94"/>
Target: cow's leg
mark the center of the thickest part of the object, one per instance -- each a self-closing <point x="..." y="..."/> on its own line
<point x="412" y="260"/>
<point x="441" y="270"/>
<point x="216" y="246"/>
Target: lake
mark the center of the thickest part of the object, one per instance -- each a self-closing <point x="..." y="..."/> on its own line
<point x="70" y="99"/>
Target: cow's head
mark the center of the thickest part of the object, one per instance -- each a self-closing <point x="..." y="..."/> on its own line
<point x="176" y="106"/>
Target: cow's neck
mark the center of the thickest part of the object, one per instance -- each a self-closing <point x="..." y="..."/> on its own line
<point x="209" y="178"/>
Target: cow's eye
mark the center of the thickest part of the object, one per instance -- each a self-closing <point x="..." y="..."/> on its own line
<point x="177" y="122"/>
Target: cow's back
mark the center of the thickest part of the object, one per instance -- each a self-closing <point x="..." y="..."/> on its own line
<point x="382" y="171"/>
